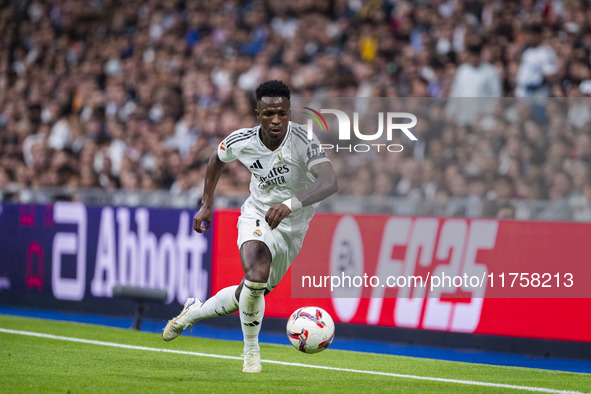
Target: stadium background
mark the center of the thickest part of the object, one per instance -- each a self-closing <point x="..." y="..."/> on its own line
<point x="115" y="108"/>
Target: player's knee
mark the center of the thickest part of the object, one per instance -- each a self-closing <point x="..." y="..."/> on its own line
<point x="257" y="273"/>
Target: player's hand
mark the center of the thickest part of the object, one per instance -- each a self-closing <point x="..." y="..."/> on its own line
<point x="276" y="214"/>
<point x="202" y="220"/>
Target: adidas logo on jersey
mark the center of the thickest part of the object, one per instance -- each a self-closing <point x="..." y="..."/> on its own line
<point x="256" y="166"/>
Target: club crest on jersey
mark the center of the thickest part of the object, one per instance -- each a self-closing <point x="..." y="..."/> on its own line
<point x="279" y="157"/>
<point x="257" y="233"/>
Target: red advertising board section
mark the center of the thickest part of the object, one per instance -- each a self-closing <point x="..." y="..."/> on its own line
<point x="511" y="301"/>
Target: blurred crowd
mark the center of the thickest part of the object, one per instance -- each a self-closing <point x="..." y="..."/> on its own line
<point x="135" y="95"/>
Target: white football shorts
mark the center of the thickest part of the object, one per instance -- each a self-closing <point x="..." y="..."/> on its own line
<point x="282" y="242"/>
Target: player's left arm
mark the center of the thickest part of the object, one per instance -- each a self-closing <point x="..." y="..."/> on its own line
<point x="323" y="186"/>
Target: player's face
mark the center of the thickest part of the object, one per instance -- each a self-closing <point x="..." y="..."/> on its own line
<point x="273" y="113"/>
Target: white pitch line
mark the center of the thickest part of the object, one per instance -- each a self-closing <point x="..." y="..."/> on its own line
<point x="395" y="375"/>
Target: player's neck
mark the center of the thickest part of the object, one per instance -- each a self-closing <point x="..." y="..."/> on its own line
<point x="271" y="143"/>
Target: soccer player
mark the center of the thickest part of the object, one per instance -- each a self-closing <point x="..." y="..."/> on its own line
<point x="290" y="176"/>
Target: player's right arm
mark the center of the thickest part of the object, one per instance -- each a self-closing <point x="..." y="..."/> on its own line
<point x="222" y="155"/>
<point x="202" y="220"/>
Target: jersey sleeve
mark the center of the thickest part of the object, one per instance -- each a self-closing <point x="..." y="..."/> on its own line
<point x="225" y="152"/>
<point x="229" y="148"/>
<point x="313" y="152"/>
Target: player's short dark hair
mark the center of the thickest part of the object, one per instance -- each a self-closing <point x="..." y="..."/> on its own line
<point x="273" y="88"/>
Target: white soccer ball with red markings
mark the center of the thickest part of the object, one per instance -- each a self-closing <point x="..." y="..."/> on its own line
<point x="310" y="329"/>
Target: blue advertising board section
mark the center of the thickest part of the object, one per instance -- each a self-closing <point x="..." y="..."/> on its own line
<point x="68" y="256"/>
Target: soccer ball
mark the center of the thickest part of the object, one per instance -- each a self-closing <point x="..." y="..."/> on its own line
<point x="310" y="329"/>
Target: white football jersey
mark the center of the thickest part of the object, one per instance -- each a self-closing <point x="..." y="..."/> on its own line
<point x="276" y="175"/>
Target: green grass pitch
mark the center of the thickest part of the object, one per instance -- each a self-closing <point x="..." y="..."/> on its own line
<point x="126" y="361"/>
